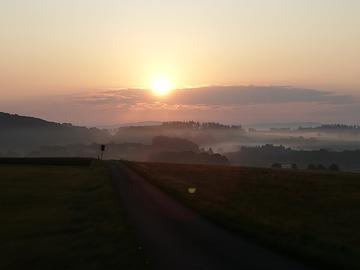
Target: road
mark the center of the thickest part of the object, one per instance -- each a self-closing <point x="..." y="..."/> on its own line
<point x="174" y="237"/>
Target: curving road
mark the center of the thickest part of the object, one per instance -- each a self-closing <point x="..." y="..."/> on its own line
<point x="174" y="237"/>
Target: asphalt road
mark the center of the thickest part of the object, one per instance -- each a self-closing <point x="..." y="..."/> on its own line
<point x="174" y="237"/>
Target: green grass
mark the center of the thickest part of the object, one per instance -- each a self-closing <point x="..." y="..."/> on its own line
<point x="312" y="215"/>
<point x="62" y="217"/>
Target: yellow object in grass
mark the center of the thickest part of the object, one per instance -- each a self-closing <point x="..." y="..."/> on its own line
<point x="192" y="190"/>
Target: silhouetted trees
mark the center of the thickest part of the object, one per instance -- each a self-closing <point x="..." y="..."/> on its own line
<point x="320" y="167"/>
<point x="335" y="128"/>
<point x="197" y="125"/>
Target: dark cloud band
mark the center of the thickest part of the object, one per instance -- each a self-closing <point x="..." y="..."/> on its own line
<point x="219" y="96"/>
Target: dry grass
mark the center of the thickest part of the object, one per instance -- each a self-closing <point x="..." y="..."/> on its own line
<point x="312" y="215"/>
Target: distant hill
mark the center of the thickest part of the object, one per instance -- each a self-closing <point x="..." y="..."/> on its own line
<point x="267" y="155"/>
<point x="162" y="149"/>
<point x="17" y="121"/>
<point x="19" y="134"/>
<point x="200" y="133"/>
<point x="162" y="143"/>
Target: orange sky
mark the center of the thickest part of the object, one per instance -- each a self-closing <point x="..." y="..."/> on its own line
<point x="52" y="48"/>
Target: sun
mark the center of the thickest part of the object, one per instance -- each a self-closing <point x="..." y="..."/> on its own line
<point x="162" y="86"/>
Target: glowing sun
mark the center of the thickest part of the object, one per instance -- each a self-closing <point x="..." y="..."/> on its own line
<point x="162" y="86"/>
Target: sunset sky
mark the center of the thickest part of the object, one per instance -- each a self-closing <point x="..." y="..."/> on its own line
<point x="95" y="62"/>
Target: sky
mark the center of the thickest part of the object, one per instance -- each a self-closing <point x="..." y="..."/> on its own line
<point x="93" y="62"/>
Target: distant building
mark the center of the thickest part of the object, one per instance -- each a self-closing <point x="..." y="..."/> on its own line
<point x="285" y="166"/>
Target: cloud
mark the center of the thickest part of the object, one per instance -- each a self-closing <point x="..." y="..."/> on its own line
<point x="160" y="106"/>
<point x="229" y="104"/>
<point x="217" y="96"/>
<point x="121" y="96"/>
<point x="250" y="95"/>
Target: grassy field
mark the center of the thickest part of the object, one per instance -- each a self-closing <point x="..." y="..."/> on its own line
<point x="62" y="217"/>
<point x="312" y="215"/>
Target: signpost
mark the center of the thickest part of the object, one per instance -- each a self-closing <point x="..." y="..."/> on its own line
<point x="102" y="148"/>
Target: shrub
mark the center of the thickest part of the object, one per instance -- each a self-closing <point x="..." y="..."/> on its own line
<point x="334" y="167"/>
<point x="276" y="166"/>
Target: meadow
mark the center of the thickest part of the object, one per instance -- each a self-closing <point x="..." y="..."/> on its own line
<point x="63" y="217"/>
<point x="314" y="216"/>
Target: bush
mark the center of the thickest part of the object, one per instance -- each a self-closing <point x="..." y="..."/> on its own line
<point x="334" y="167"/>
<point x="311" y="167"/>
<point x="321" y="167"/>
<point x="276" y="166"/>
<point x="294" y="166"/>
